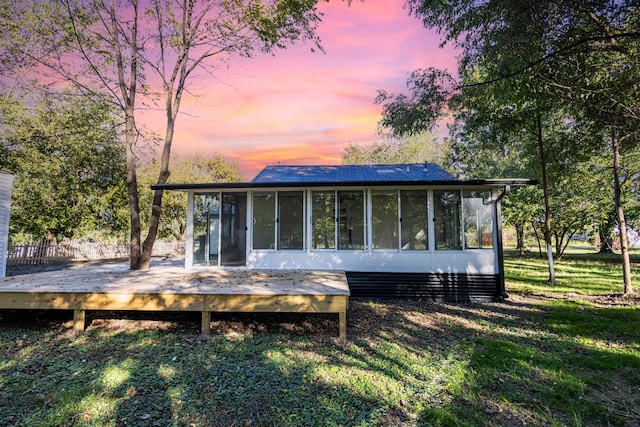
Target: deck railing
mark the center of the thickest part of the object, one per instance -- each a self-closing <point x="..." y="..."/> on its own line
<point x="75" y="251"/>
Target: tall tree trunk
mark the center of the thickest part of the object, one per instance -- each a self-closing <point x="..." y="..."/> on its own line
<point x="173" y="90"/>
<point x="535" y="231"/>
<point x="156" y="209"/>
<point x="606" y="242"/>
<point x="132" y="191"/>
<point x="128" y="91"/>
<point x="622" y="224"/>
<point x="520" y="243"/>
<point x="171" y="107"/>
<point x="547" y="206"/>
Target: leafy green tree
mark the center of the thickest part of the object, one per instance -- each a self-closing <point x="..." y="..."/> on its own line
<point x="419" y="148"/>
<point x="520" y="210"/>
<point x="434" y="92"/>
<point x="137" y="53"/>
<point x="574" y="208"/>
<point x="185" y="170"/>
<point x="69" y="168"/>
<point x="535" y="56"/>
<point x="632" y="192"/>
<point x="604" y="39"/>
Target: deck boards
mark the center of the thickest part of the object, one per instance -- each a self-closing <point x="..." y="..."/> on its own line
<point x="167" y="280"/>
<point x="114" y="287"/>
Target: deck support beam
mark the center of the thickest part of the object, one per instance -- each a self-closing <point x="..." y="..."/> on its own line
<point x="79" y="321"/>
<point x="205" y="327"/>
<point x="342" y="319"/>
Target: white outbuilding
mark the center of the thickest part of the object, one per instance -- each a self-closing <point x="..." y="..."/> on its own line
<point x="396" y="230"/>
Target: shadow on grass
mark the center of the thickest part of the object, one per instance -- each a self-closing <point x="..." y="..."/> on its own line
<point x="517" y="367"/>
<point x="260" y="374"/>
<point x="524" y="361"/>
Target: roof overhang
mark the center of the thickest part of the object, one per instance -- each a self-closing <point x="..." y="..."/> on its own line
<point x="262" y="185"/>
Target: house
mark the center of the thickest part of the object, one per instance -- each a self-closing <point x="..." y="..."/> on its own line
<point x="396" y="230"/>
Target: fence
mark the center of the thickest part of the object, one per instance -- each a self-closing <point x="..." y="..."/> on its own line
<point x="74" y="251"/>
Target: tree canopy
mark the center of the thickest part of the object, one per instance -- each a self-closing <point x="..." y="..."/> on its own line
<point x="136" y="54"/>
<point x="69" y="168"/>
<point x="419" y="148"/>
<point x="525" y="69"/>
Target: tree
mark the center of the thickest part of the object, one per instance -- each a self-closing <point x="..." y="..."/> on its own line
<point x="550" y="53"/>
<point x="423" y="147"/>
<point x="514" y="109"/>
<point x="191" y="169"/>
<point x="137" y="53"/>
<point x="606" y="44"/>
<point x="521" y="209"/>
<point x="69" y="170"/>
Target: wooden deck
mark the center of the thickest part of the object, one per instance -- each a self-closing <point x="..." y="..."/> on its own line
<point x="114" y="287"/>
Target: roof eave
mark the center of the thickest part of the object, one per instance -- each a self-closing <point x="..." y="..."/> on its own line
<point x="430" y="183"/>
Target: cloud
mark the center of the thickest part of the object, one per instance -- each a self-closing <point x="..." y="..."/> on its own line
<point x="304" y="107"/>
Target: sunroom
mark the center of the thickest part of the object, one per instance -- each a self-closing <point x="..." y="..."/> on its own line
<point x="396" y="230"/>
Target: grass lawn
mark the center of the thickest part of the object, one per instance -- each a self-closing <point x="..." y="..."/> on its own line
<point x="563" y="355"/>
<point x="578" y="271"/>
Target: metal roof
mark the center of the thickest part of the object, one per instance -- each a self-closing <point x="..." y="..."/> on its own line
<point x="353" y="173"/>
<point x="348" y="176"/>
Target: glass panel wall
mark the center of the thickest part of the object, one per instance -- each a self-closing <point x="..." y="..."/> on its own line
<point x="351" y="220"/>
<point x="206" y="225"/>
<point x="399" y="221"/>
<point x="384" y="213"/>
<point x="447" y="224"/>
<point x="323" y="219"/>
<point x="234" y="223"/>
<point x="264" y="220"/>
<point x="478" y="219"/>
<point x="413" y="220"/>
<point x="290" y="220"/>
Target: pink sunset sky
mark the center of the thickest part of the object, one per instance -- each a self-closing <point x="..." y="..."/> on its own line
<point x="300" y="107"/>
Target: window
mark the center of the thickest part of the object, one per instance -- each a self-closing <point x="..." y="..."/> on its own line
<point x="478" y="219"/>
<point x="446" y="218"/>
<point x="290" y="220"/>
<point x="384" y="212"/>
<point x="206" y="221"/>
<point x="351" y="220"/>
<point x="413" y="220"/>
<point x="323" y="219"/>
<point x="264" y="223"/>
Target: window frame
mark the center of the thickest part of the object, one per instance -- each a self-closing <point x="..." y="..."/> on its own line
<point x="489" y="210"/>
<point x="253" y="220"/>
<point x="458" y="226"/>
<point x="363" y="193"/>
<point x="371" y="232"/>
<point x="332" y="216"/>
<point x="428" y="213"/>
<point x="279" y="198"/>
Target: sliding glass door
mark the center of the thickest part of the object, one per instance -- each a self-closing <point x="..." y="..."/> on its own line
<point x="219" y="229"/>
<point x="233" y="238"/>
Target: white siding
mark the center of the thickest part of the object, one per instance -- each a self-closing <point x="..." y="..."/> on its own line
<point x="6" y="184"/>
<point x="471" y="262"/>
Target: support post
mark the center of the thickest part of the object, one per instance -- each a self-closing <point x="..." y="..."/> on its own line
<point x="342" y="318"/>
<point x="79" y="321"/>
<point x="205" y="327"/>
